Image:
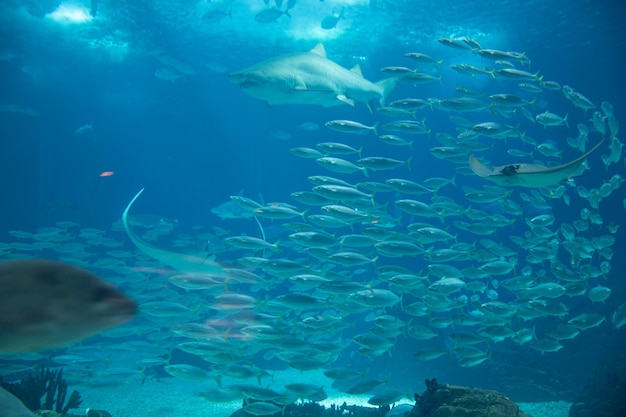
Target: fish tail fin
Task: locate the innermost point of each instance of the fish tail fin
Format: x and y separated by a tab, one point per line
387	85
565	120
522	56
408	163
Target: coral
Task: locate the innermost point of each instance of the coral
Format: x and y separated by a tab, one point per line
439	400
359	411
313	409
48	385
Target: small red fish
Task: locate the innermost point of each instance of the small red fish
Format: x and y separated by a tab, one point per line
107	173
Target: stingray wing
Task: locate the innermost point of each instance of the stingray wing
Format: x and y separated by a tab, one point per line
497	174
480	169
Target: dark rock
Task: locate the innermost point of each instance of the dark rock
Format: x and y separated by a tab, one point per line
454	401
605	392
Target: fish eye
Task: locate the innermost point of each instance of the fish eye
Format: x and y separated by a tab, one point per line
102	293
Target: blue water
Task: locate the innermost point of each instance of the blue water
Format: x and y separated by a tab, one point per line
195	141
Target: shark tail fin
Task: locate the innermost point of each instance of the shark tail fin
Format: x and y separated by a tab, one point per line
387	85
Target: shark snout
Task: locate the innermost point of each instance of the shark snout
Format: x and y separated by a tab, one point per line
237	77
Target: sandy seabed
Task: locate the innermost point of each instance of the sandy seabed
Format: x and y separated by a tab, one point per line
171	397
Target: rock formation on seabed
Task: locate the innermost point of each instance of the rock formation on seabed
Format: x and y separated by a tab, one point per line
454	401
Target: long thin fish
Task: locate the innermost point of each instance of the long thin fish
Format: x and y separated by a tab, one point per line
182	262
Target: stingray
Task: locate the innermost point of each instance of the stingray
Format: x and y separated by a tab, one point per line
529	175
182	262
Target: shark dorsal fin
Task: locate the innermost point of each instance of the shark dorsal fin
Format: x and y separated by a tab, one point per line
357	70
319	50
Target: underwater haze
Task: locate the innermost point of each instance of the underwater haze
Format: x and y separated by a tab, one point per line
371	192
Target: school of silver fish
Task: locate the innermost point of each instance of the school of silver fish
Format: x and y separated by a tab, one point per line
375	244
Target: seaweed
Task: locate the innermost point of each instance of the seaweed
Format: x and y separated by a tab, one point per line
47	385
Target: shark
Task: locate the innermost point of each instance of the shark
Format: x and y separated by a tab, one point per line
530	175
182	262
310	78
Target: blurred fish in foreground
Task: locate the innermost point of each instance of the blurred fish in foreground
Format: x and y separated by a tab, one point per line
46	304
11	406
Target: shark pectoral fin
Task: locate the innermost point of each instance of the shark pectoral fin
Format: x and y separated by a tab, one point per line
345	99
300	87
